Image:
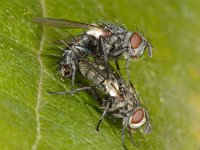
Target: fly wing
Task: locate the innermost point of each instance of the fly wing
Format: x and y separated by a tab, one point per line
96	68
63	23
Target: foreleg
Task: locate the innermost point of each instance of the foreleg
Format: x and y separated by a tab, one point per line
105	111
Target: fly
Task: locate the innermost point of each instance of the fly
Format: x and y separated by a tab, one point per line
120	100
103	40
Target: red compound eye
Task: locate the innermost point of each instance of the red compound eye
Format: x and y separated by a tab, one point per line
136	40
138	116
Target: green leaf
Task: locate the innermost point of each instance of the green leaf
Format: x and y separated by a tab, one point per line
168	83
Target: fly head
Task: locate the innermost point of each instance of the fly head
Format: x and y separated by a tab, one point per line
138	118
137	45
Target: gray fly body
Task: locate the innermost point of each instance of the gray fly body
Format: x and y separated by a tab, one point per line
103	40
89	53
121	101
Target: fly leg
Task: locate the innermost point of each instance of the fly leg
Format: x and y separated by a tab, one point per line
68	65
117	66
73	61
127	68
105	55
96	96
148	125
73	72
72	91
105	111
115	55
131	137
123	134
118	52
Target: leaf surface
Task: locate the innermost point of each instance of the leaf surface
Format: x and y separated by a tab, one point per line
168	83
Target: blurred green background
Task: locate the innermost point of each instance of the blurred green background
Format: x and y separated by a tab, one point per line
168	83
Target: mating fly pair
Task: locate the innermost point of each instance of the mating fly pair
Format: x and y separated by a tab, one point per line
103	42
120	100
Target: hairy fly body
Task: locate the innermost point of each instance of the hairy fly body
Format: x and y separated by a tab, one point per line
103	41
120	100
90	53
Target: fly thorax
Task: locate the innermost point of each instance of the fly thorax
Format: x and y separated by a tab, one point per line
129	105
112	40
126	39
118	105
125	44
108	47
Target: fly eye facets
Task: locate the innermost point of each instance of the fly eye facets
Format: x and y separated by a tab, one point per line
137	119
136	40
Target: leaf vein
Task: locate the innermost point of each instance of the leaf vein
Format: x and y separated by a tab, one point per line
38	129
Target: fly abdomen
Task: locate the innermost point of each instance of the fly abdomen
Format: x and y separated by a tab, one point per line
88	71
97	75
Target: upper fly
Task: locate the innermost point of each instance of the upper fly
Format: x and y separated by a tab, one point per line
103	41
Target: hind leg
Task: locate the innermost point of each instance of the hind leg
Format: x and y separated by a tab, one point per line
71	92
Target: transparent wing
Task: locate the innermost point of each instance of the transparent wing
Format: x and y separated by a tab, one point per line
96	68
63	23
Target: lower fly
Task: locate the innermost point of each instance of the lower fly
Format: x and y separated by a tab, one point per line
120	101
